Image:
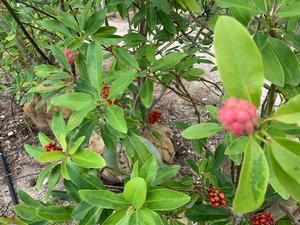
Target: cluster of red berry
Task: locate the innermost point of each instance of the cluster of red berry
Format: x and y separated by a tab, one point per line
105	93
153	116
262	219
52	146
70	55
217	197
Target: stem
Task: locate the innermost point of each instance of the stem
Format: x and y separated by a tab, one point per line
271	99
11	11
37	9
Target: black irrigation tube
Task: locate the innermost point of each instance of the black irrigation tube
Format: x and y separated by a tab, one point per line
8	179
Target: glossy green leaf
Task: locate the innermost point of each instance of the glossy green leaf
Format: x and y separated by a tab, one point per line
118	86
200	212
244	4
147	216
289	9
51	156
82	179
92	217
165	173
103	199
60	57
288	61
42	176
135	192
27	199
286	153
146	93
94	65
34	151
166	21
77	117
67	19
88	159
53	25
165	199
95	22
149	170
239	61
290	185
237	146
81	209
117	218
273	69
75	101
115	117
253	180
55	213
192	5
58	125
26	212
44	139
76	145
289	112
201	130
168	61
127	58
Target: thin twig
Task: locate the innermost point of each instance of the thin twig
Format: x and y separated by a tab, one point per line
289	214
37	9
16	18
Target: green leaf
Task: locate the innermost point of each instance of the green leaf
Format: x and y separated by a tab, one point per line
165	199
201	130
88	159
27	199
51	156
95	22
166	21
273	69
168	61
192	5
26	212
44	139
34	151
237	146
55	213
94	65
42	176
200	212
67	19
165	173
150	52
76	145
75	101
58	125
82	179
253	180
135	147
149	170
288	61
63	169
162	4
289	112
127	58
103	199
45	69
119	85
53	25
60	57
117	217
134	39
289	10
92	217
290	185
77	117
244	4
239	61
286	153
146	93
148	217
81	209
135	192
151	19
54	177
114	116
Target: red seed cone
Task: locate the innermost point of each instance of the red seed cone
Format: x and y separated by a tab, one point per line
52	146
70	55
105	93
153	116
217	198
239	116
262	218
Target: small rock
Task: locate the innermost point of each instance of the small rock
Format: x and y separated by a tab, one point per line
11	133
2	117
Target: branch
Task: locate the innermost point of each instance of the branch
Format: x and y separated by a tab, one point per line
289	214
13	14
